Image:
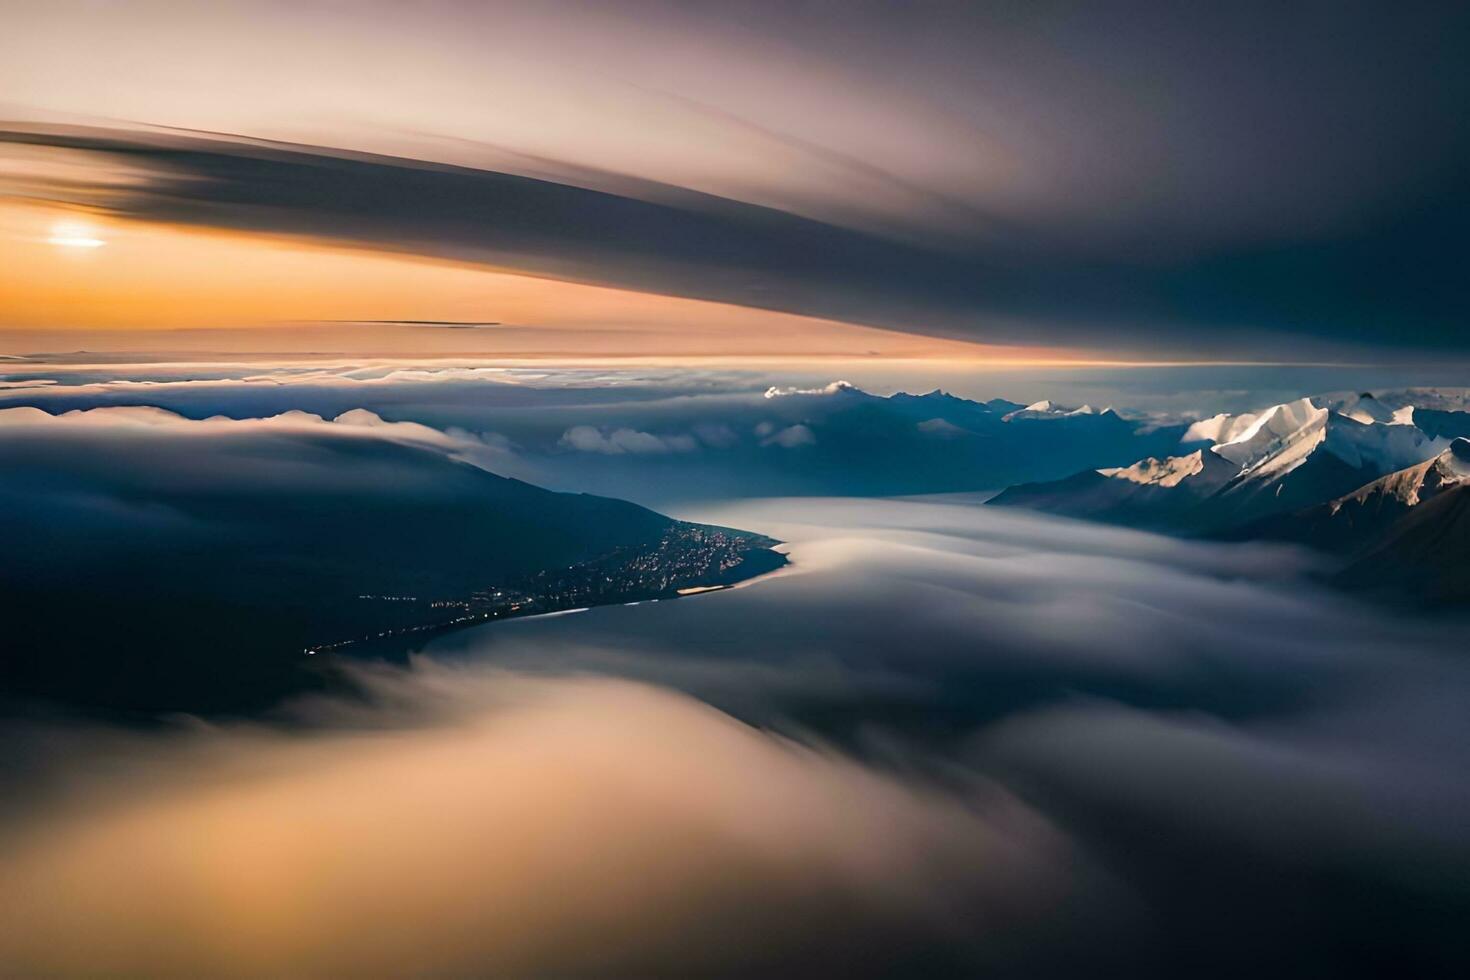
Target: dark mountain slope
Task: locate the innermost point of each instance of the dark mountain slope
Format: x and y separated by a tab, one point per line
176	565
1357	520
1424	557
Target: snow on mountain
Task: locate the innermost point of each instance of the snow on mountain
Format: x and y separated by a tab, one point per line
1454	462
1219	429
1257	465
1154	492
1383	446
1389	408
1353	520
940	427
1272	443
1414	484
1047	409
1398	399
1299	454
1201	466
1277	438
1408	533
1351	474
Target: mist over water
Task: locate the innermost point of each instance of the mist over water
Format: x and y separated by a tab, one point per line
947	738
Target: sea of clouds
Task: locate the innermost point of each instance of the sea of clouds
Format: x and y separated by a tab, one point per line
946	739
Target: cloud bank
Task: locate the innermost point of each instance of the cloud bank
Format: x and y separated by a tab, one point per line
516	827
616	442
945	740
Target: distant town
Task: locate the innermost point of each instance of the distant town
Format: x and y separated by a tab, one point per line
689	558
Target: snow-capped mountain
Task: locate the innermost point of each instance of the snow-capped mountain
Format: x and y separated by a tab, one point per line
1353	522
1246	467
1299	454
1412	485
1154	492
1048	409
1431	399
1366	408
1277	440
1424	554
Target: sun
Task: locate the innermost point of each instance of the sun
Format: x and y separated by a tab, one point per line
72	234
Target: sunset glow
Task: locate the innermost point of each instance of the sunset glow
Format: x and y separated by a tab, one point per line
68	235
737	489
160	277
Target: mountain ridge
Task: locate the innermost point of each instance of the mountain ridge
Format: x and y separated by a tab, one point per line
1352	476
1245	468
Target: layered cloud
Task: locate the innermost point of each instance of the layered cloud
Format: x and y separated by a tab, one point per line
491	824
1257	777
1137	179
1011	745
489	451
788	438
1246	300
616	442
651	435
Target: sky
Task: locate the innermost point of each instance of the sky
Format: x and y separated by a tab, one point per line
988	183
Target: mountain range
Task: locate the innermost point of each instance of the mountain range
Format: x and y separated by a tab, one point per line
667	446
1406	534
1356	476
840	440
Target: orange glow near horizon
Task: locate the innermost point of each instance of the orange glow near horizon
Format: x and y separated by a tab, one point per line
259	292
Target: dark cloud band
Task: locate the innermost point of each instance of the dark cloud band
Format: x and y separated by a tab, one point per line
1390	286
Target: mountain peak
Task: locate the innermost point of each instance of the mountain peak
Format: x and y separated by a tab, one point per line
1455	460
1277	438
1165	472
1364	407
1048	409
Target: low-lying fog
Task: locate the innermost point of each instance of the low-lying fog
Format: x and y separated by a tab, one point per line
947	740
